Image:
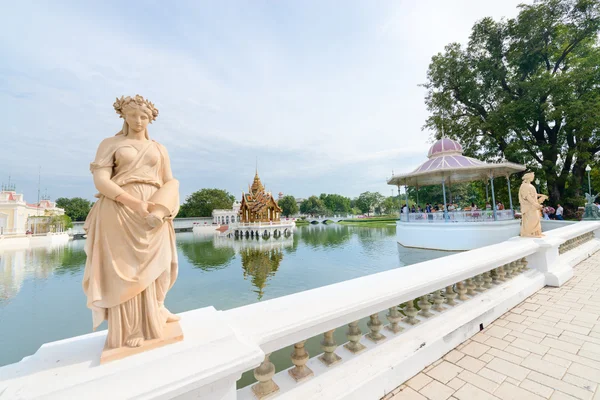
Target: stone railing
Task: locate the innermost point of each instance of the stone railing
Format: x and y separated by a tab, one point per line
414	314
570	244
460	216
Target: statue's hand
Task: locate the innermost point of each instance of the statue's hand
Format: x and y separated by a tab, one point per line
141	208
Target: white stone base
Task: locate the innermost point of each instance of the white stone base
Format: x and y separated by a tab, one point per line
455	236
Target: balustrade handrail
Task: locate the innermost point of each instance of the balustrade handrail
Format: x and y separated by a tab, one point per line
283	321
459	216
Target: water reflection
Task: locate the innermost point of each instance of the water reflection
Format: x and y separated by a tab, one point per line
17	266
201	252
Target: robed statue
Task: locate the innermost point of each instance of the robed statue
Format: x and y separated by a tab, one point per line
531	206
131	255
591	209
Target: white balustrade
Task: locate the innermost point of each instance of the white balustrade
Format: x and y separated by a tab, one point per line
459	216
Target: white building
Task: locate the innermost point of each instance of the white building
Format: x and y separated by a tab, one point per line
226	217
15	211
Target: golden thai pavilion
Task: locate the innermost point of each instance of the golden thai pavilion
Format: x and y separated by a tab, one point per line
259	205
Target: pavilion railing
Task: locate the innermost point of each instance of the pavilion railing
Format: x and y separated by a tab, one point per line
460	216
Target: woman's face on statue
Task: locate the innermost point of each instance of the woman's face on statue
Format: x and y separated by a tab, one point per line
137	119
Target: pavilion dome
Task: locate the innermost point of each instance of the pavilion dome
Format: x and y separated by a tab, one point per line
444	146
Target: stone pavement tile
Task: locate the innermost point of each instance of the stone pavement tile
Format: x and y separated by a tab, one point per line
561	396
514	318
500	322
486	358
572	340
509	338
573	328
594	334
479	381
456	383
444	372
557	360
585	324
517	310
550	330
530	346
418	381
493	376
560	315
536	388
436	391
589	346
517	352
559	385
453	356
505	356
513	381
506	391
529	306
590	355
537	321
470	392
582	371
408	394
499	344
475	349
497	331
471	364
585	338
580	382
584	315
545	367
560	345
580	358
549	318
480	337
532	332
509	369
528	337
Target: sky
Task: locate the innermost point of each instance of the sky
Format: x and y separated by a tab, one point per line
322	94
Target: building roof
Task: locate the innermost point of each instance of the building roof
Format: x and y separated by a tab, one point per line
258	199
447	163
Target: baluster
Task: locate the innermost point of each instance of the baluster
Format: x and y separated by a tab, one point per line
470	287
375	326
328	345
461	288
450	296
411	312
487	280
264	375
299	359
494	276
425	305
518	267
508	268
524	264
438	300
394	317
501	274
354	334
479	283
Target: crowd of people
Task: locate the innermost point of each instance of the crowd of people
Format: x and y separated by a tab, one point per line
429	208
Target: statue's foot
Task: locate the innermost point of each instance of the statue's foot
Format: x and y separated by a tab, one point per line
169	316
134	341
153	220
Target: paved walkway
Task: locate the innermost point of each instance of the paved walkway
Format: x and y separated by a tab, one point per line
548	347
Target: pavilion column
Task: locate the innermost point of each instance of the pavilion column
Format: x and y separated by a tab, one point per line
487	193
509	195
417	195
493	197
406	195
399	200
445	204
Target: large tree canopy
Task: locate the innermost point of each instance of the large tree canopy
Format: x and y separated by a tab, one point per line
288	205
525	89
76	208
203	202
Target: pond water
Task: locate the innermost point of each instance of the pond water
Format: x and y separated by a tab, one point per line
41	299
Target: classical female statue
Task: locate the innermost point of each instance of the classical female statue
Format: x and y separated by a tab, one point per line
131	255
531	207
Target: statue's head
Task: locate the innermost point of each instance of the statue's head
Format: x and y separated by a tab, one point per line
136	111
528	177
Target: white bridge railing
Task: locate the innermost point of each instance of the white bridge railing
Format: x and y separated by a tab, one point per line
460	216
430	308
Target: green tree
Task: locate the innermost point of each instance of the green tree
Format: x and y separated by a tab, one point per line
288	205
336	203
525	89
76	208
313	205
369	201
204	201
391	205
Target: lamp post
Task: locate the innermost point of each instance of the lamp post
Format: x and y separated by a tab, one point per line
537	182
588	169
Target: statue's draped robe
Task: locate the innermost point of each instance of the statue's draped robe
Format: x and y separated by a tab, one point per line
530	219
130	266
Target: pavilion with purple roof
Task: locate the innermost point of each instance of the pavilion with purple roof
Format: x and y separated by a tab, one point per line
446	165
